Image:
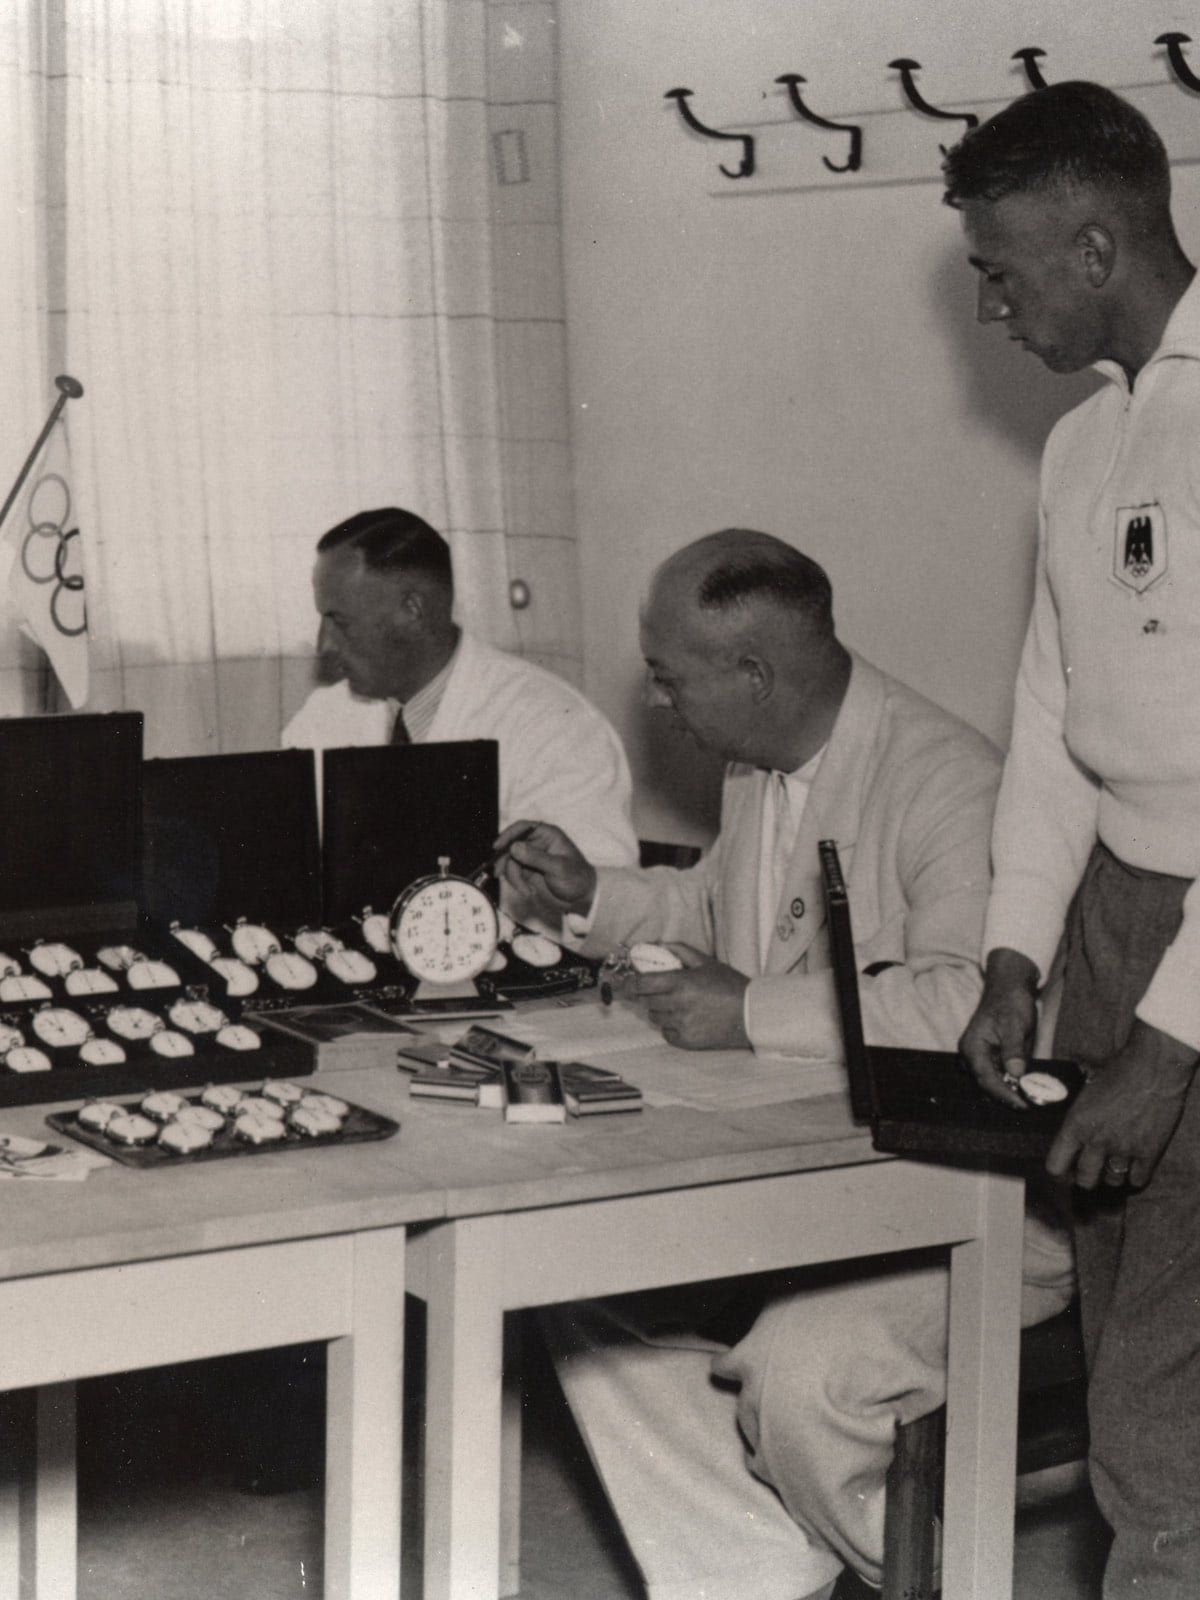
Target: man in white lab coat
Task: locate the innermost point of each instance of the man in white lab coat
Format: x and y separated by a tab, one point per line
740	648
400	670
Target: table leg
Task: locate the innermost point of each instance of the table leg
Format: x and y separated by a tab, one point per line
981	1404
364	1428
463	1412
510	1456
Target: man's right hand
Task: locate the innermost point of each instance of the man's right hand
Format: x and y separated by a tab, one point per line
998	1041
538	859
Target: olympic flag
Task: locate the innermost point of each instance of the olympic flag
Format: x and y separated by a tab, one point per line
45	577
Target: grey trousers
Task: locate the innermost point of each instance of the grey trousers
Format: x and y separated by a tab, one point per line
1138	1257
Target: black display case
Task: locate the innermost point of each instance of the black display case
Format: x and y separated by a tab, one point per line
85	975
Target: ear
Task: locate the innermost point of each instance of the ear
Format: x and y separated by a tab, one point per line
1097	253
760	674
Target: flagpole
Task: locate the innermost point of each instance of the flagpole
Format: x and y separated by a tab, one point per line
68	389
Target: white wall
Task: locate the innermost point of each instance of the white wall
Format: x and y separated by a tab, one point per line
807	361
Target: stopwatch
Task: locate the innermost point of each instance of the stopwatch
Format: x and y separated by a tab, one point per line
89	980
133	1022
166	1042
118	956
197	1016
146	974
536	949
197	942
252	943
54	960
60	1028
239	978
101	1052
443	928
23	986
317	943
351	966
375	931
290	970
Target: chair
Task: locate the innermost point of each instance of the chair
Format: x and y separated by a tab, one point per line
1051	1431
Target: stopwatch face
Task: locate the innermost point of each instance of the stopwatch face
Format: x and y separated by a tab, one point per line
197	1016
375	932
101	1052
239	1037
290	970
89	980
23	987
536	950
198	943
317	943
54	960
152	975
239	978
350	966
26	1059
118	956
444	930
253	943
166	1042
133	1022
653	958
59	1027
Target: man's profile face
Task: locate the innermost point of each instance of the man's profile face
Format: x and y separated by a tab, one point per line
1031	277
689	674
362	637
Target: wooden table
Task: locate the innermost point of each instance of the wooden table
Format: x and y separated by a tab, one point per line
135	1269
539	1215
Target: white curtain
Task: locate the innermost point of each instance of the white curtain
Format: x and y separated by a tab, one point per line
26	393
278	292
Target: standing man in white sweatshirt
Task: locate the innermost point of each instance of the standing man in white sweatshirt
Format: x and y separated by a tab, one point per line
1065	199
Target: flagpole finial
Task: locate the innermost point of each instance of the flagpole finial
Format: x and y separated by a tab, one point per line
69	386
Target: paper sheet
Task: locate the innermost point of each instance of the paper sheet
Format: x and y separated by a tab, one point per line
706	1080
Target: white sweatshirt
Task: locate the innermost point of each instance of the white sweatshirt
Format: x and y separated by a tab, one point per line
1106	729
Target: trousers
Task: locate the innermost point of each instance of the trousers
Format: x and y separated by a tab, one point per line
1138	1257
754	1467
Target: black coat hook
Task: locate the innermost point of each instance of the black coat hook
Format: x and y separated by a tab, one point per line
792	80
1179	65
746	140
1033	72
907	68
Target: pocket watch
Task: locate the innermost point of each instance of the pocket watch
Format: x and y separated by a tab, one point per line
26	1058
197	1016
536	950
375	931
60	1028
118	956
23	986
252	943
351	966
443	928
89	980
133	1022
198	943
146	974
237	1036
317	943
101	1052
290	970
54	960
239	978
166	1042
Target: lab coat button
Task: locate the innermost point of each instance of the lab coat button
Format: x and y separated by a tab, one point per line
783	928
797	908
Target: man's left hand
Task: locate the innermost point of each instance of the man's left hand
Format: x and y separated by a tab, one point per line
1124	1118
700	1008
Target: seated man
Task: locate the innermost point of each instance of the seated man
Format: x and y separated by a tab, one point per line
739	644
401	671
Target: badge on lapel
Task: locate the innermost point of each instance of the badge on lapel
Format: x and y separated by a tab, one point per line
1139	546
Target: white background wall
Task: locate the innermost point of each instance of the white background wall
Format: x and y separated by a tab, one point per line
807	362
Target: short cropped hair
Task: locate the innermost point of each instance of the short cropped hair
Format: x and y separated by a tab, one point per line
391	540
1072	133
767	569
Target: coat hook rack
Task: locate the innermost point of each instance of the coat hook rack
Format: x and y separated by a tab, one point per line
1030	57
907	68
1179	64
792	82
746	140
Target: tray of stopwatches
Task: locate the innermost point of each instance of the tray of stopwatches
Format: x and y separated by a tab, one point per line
166	1128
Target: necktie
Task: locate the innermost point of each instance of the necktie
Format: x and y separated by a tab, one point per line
400	734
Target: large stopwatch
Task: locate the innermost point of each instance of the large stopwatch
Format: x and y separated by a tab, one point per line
444	928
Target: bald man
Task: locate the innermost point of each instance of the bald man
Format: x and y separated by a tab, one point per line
741	650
